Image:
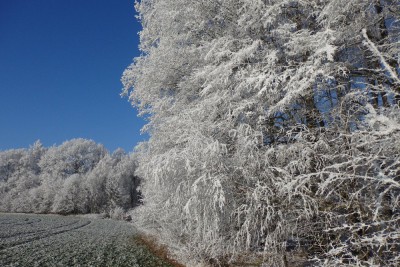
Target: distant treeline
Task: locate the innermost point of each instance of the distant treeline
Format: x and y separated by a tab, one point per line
79	176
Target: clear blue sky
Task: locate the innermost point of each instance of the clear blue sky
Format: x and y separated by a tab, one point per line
60	68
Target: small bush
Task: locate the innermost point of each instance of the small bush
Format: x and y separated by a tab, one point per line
117	213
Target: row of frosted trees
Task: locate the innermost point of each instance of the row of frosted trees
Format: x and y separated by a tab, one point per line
77	177
275	132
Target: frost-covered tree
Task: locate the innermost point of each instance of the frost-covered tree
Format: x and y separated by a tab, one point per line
71	198
77	156
10	162
19	171
122	184
273	129
112	183
70	178
95	184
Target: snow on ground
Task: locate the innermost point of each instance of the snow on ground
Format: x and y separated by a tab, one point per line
53	240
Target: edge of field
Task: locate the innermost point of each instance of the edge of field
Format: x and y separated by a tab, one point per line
161	251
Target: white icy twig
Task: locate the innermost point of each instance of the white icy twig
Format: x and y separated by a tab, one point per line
375	50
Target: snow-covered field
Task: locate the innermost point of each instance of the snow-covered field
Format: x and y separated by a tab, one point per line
52	240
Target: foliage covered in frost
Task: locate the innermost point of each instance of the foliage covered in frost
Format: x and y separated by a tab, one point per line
274	129
79	176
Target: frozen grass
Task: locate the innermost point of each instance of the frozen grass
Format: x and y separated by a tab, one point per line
52	240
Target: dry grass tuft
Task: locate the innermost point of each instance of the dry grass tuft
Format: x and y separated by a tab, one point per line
157	249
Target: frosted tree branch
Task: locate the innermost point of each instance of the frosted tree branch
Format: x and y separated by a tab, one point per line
372	47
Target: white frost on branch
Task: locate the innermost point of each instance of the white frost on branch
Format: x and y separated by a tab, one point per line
372	47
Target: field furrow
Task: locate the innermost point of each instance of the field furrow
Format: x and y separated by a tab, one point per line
52	240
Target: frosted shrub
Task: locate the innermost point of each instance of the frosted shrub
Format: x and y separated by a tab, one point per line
117	213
